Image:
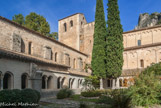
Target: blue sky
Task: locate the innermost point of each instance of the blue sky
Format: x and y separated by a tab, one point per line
53	10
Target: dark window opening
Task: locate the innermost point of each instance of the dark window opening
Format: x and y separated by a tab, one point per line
43	82
29	50
7	81
24	81
142	63
71	23
56	57
58	83
65	27
108	83
139	42
22	46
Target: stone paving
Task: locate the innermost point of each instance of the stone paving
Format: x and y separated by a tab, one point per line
61	103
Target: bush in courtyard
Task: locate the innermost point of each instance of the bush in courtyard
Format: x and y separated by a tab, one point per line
38	95
64	93
93	93
6	96
29	96
146	90
91	83
17	96
116	99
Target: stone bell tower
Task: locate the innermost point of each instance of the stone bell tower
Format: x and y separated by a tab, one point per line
71	30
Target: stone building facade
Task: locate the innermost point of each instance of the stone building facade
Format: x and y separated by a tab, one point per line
31	60
142	47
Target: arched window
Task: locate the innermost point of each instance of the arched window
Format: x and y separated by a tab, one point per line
67	59
71	23
65	27
8	81
22	46
70	80
74	63
49	82
72	83
80	63
24	81
142	63
44	82
139	42
59	83
29	48
56	56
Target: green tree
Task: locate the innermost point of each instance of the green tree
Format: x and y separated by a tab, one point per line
98	54
53	35
114	41
37	23
19	19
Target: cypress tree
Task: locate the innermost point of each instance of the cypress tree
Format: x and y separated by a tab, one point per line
98	54
114	41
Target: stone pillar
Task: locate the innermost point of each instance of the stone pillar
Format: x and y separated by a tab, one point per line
117	83
61	83
1	87
113	83
101	83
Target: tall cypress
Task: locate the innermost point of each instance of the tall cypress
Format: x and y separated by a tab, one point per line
98	53
114	41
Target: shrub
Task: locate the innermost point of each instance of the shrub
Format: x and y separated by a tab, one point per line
29	96
116	99
38	95
64	93
83	105
91	83
91	93
17	96
6	96
146	90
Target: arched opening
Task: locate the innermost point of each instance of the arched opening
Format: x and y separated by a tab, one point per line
67	59
56	56
72	83
29	48
24	81
80	63
142	63
65	27
71	23
8	81
59	83
74	63
44	82
49	82
108	83
22	46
